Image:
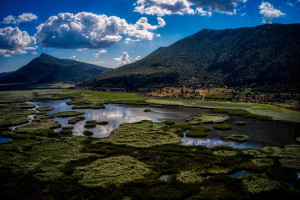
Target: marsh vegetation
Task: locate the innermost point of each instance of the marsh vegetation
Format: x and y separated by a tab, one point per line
128	162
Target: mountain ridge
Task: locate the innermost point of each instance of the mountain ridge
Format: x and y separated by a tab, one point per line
49	69
266	57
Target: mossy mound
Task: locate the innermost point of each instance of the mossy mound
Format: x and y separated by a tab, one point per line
194	122
168	122
225	153
88	133
206	118
189	177
197	132
114	171
258	183
67	130
147	110
222	127
254	153
282	173
293	163
43	158
262	162
214	169
292	150
13	116
240	123
298	139
238	138
272	150
103	123
41	127
75	120
86	105
143	134
45	109
90	124
65	114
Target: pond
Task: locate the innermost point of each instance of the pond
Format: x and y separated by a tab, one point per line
4	140
261	133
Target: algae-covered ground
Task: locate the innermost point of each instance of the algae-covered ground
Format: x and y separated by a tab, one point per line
42	164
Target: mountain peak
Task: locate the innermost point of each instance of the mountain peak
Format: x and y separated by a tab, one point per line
49	69
44	55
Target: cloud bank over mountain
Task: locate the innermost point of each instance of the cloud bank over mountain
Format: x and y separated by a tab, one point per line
88	30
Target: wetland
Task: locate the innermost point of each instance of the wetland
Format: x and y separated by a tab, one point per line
103	145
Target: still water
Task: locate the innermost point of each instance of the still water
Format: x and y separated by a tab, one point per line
261	133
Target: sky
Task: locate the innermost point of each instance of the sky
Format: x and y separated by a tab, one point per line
112	33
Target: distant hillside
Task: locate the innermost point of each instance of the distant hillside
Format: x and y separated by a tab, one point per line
265	57
2	74
48	69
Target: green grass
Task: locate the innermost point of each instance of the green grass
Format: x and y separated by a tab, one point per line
103	123
222	127
259	183
238	138
90	124
45	109
197	132
143	134
256	109
114	171
75	120
65	114
88	133
130	162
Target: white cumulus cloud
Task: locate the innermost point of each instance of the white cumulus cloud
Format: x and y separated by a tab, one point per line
25	17
15	41
269	12
102	51
138	57
181	7
88	30
124	59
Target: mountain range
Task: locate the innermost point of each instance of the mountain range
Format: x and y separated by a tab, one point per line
265	57
49	69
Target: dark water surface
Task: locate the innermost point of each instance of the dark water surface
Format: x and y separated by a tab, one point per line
261	133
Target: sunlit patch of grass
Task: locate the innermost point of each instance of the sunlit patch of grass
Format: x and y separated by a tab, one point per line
222	127
238	138
42	157
67	114
112	171
143	134
259	183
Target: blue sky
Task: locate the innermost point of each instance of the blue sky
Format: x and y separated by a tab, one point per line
100	31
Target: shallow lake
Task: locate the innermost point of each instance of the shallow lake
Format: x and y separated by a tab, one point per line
261	133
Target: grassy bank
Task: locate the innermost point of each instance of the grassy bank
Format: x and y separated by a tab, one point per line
256	109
